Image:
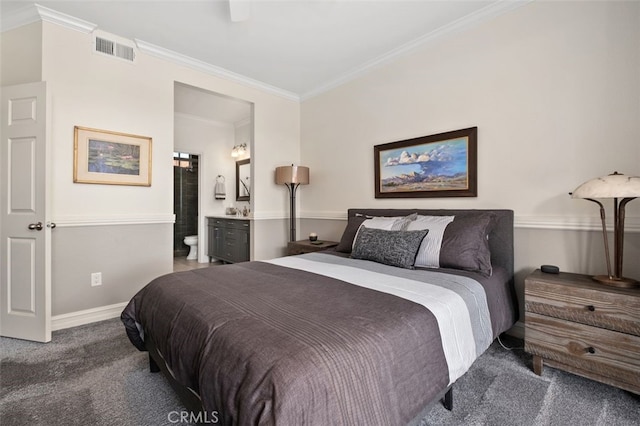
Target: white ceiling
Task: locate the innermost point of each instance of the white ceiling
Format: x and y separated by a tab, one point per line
298	47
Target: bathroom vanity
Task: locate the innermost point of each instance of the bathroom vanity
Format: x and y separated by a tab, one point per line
228	239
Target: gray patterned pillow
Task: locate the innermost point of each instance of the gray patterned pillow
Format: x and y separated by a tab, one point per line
395	248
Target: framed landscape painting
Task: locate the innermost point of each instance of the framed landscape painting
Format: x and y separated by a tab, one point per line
442	165
111	158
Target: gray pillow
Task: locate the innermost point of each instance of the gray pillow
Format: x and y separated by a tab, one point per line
465	244
394	248
346	241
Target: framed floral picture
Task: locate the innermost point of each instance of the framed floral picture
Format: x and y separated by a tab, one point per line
111	158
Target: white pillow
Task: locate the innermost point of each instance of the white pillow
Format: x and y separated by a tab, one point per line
386	223
429	252
395	223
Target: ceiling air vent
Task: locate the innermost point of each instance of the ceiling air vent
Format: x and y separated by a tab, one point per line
104	46
114	47
125	52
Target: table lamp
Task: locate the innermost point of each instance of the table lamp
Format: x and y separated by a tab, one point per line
622	189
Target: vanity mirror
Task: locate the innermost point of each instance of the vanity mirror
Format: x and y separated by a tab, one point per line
243	180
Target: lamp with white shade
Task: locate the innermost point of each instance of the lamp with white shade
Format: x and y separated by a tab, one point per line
622	189
292	177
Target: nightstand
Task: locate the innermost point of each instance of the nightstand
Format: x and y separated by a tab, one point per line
578	325
306	246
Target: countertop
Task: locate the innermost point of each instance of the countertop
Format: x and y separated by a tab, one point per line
224	216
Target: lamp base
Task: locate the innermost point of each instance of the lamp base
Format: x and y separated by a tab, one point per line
621	282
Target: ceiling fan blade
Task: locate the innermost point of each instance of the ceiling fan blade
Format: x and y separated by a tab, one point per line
239	10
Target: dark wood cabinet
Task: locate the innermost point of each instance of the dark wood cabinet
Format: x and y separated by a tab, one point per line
228	239
578	325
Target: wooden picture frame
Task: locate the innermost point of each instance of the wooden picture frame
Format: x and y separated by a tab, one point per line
441	165
243	180
111	158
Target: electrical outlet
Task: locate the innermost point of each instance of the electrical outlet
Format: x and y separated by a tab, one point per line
96	279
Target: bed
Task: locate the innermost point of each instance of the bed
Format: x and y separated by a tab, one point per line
373	332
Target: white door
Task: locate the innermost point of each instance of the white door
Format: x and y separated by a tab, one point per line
25	234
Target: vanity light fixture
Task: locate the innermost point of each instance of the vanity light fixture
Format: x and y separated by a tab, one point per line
239	150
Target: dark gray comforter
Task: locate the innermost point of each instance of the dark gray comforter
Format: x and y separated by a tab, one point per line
266	344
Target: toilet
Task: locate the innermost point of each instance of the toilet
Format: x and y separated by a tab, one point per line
192	242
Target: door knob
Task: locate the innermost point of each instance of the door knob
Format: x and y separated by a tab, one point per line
51	225
36	226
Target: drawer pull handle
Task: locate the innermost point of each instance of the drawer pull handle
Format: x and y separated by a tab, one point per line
591	350
591	308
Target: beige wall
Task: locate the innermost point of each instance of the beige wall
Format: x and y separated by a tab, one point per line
126	232
554	89
21	55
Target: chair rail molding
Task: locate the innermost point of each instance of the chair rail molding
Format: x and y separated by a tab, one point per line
76	221
563	223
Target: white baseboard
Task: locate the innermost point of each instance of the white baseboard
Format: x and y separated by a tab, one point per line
74	319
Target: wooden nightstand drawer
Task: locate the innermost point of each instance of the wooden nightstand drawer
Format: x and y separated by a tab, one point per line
578	298
607	308
577	325
592	349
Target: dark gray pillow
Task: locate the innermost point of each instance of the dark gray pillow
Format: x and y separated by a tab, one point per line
465	243
354	222
394	248
346	242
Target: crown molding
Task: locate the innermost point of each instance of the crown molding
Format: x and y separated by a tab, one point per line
489	12
35	12
197	65
67	21
19	17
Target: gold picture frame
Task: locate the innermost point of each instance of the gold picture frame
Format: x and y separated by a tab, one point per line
111	158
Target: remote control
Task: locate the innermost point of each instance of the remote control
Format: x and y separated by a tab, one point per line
550	269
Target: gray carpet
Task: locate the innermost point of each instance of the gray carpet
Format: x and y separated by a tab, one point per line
92	375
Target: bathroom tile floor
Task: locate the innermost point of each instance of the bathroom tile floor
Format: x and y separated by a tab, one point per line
182	264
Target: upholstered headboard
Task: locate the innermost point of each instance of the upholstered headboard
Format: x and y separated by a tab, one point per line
500	236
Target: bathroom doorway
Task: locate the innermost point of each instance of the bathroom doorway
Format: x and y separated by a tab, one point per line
210	125
185	200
